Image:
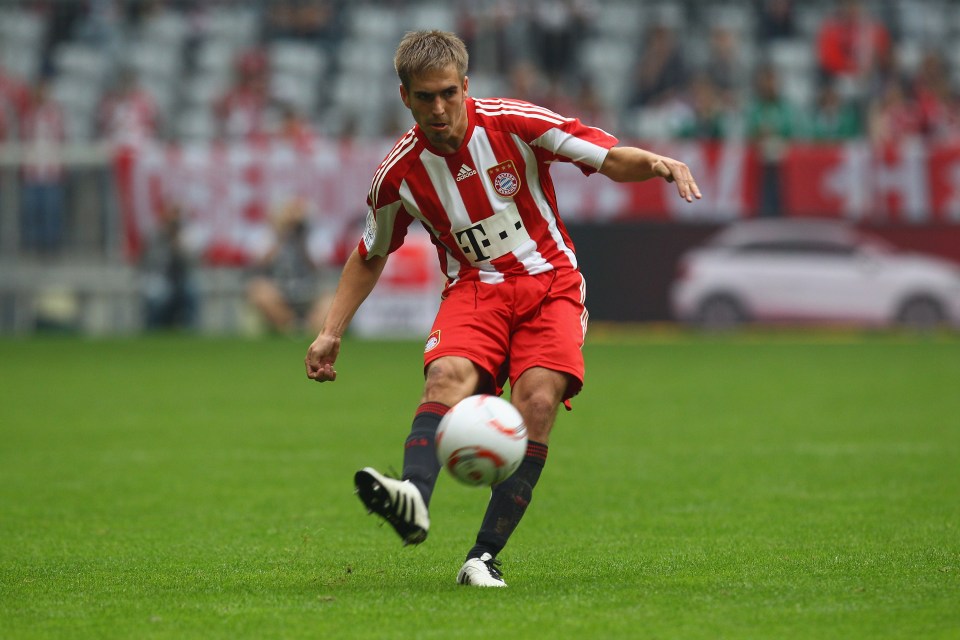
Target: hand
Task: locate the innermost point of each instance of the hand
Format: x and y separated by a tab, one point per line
675	171
320	358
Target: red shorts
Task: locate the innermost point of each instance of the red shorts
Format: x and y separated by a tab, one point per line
507	328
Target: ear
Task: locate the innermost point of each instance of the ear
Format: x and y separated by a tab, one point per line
404	96
466	83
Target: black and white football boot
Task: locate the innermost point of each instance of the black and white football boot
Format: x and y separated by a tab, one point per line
396	501
481	572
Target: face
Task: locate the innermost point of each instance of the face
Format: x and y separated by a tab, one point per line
436	100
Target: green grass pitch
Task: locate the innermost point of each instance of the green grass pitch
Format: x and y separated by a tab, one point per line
762	486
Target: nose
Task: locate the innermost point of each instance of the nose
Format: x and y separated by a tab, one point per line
437	107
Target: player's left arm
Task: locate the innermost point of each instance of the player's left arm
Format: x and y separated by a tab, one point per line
631	164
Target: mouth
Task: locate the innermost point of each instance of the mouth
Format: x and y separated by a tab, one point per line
438	126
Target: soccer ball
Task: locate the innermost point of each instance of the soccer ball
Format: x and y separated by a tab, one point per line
481	440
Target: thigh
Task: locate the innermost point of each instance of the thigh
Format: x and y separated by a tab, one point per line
473	323
552	337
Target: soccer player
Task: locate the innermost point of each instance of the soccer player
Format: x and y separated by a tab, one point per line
474	173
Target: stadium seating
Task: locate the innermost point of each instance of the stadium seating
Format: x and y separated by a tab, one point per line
185	58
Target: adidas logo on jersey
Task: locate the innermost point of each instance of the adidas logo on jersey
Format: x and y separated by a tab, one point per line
465	172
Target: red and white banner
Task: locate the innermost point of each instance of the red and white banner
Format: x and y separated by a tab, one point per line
228	193
911	183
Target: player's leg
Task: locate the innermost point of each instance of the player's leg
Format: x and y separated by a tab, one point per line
537	394
449	379
546	368
405	503
461	356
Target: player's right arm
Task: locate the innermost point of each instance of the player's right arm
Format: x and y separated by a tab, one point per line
357	280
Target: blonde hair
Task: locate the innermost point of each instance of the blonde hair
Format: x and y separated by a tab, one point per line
421	51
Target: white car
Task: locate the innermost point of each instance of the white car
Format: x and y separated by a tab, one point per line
812	271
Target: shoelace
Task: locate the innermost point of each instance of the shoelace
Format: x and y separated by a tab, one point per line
493	566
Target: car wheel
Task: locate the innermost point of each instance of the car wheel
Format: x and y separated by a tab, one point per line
720	313
921	313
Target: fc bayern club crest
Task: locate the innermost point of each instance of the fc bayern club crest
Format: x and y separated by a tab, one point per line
432	342
505	178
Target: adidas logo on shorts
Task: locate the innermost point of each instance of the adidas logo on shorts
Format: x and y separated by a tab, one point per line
465	172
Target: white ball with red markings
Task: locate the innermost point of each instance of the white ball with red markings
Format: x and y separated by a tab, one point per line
482	440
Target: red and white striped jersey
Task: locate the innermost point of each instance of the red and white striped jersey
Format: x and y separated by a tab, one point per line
490	207
129	119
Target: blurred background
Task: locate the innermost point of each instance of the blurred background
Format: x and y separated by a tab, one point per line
202	166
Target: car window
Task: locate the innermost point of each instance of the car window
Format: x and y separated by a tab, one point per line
813	248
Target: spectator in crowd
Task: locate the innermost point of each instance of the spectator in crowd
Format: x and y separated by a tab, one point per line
300	19
313	21
589	106
662	69
14	99
935	98
834	117
886	69
892	116
295	129
9	120
498	29
42	133
707	117
245	112
168	276
775	20
14	96
850	45
725	64
562	95
949	124
285	287
527	82
556	27
771	121
128	113
102	24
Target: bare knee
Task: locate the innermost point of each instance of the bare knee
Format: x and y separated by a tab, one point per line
539	411
449	380
537	395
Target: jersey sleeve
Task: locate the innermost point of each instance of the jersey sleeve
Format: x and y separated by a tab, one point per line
577	143
386	227
387	219
555	137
